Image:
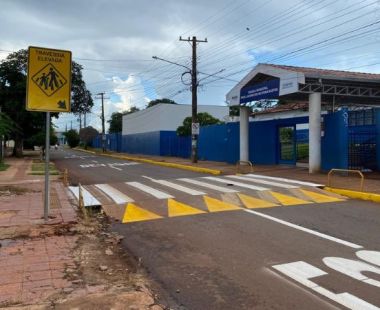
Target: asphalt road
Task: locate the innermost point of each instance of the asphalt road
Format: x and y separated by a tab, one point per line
314	256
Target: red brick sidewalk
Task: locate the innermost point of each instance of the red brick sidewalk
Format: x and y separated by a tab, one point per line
27	209
33	270
33	258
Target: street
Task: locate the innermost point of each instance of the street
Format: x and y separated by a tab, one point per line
237	242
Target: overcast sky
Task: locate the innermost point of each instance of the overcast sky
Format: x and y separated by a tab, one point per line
115	40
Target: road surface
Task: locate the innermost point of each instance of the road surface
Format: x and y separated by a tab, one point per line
233	242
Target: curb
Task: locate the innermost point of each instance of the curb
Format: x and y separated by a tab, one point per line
159	163
355	194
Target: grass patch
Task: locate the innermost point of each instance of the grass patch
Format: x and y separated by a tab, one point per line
38	168
3	166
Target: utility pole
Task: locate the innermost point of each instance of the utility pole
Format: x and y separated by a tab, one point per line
84	120
71	124
194	100
80	121
103	127
1	146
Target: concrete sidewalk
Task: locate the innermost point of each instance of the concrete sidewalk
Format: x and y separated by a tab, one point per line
33	256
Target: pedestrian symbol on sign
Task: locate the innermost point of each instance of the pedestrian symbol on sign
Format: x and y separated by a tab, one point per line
49	80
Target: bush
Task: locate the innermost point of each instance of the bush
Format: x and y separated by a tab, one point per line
72	137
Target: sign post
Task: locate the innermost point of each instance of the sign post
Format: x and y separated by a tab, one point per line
48	90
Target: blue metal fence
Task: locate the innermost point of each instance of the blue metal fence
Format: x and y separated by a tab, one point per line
221	142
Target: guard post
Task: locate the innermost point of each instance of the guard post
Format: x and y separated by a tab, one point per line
48	90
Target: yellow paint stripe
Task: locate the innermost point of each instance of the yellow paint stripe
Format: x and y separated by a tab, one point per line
215	205
253	203
134	213
286	200
320	198
176	208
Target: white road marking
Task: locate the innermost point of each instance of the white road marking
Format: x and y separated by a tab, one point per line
208	185
115	194
257	188
178	187
88	199
353	269
301	272
258	176
307	230
111	166
251	179
372	257
150	190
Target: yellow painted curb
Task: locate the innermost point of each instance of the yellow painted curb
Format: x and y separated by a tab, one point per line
160	163
354	194
83	150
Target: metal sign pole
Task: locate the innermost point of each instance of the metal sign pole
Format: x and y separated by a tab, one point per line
47	162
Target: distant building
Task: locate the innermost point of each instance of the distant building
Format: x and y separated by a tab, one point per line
61	137
166	117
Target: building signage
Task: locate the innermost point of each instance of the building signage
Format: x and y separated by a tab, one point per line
265	90
49	80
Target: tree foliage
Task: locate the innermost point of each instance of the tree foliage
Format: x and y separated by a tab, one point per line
72	138
6	124
87	134
204	119
116	121
158	101
13	71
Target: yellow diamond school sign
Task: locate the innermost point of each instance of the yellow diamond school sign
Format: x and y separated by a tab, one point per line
49	80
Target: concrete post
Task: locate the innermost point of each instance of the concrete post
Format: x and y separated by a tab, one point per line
244	133
314	132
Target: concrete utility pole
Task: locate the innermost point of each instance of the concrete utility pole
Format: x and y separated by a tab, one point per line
194	101
103	127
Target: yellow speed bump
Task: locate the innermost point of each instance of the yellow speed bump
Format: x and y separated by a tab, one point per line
320	198
286	200
253	203
176	208
215	205
134	213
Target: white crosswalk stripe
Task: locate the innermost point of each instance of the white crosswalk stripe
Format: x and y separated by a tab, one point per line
244	185
117	196
208	185
258	176
88	199
179	187
255	180
150	190
201	186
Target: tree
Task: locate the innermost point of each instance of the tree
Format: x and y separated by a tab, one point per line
87	134
72	138
6	124
204	119
81	97
157	101
13	72
116	121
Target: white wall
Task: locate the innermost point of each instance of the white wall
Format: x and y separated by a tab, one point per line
166	117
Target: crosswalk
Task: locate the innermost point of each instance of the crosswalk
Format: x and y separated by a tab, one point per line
151	199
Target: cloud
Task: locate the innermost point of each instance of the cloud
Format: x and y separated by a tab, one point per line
239	33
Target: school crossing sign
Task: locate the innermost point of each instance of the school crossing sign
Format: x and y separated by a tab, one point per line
49	80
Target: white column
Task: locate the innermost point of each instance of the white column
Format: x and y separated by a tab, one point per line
314	132
244	133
